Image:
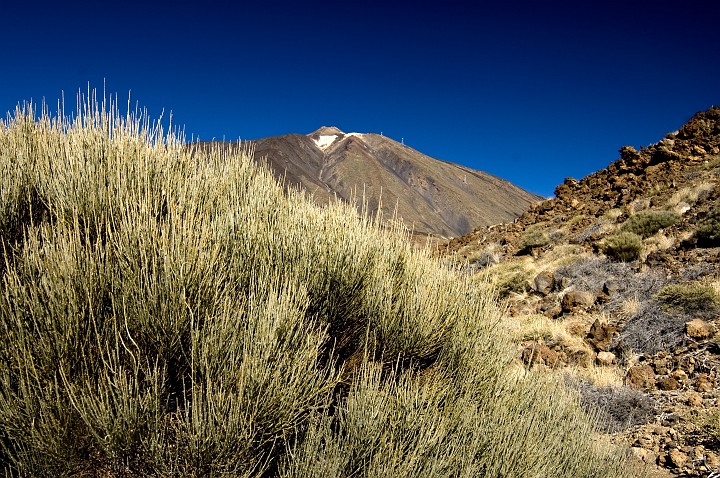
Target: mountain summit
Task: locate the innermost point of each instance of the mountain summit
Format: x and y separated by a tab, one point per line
431	196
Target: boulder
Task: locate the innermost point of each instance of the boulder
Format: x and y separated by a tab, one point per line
661	366
540	354
677	459
610	288
679	375
698	329
694	399
606	358
712	460
601	335
576	299
703	383
640	377
668	383
642	454
544	282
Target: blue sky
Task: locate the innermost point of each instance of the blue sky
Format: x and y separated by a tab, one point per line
530	91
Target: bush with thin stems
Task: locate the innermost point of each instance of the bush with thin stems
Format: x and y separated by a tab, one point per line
647	223
167	310
624	246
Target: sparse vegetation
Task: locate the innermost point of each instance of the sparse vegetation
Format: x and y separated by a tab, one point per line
169	311
707	230
624	246
620	407
689	195
653	328
712	426
510	277
647	223
691	296
534	236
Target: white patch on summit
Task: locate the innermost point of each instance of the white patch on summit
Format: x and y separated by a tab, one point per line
324	141
355	134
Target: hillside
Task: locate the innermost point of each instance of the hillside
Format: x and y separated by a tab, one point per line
167	311
430	196
615	284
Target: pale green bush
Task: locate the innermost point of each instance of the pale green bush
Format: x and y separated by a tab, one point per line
534	236
647	223
624	246
171	312
690	296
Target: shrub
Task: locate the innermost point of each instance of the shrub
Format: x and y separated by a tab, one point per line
689	296
624	246
711	424
647	223
707	230
653	329
534	236
510	277
174	313
619	407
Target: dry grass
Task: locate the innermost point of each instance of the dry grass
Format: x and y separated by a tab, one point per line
599	376
512	276
715	284
612	215
629	307
169	311
562	255
655	243
689	195
552	331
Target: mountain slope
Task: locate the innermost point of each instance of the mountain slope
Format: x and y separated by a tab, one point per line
616	282
431	196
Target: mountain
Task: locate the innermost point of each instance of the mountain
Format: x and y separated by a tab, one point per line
431	196
615	282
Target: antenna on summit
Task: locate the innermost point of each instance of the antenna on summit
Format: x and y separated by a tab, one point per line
402	141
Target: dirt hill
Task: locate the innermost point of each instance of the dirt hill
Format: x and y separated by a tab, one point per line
615	283
431	196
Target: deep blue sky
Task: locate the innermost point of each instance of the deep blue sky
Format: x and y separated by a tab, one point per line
530	91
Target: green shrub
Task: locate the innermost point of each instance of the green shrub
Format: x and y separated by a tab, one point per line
647	223
712	426
707	230
174	313
689	296
510	277
534	236
624	246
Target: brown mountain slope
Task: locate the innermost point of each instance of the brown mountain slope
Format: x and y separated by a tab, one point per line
675	170
431	196
615	283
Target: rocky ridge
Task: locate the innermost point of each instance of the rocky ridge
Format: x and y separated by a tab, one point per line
615	283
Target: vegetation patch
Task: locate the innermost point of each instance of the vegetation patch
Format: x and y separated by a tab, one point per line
624	246
510	277
691	296
707	230
534	236
647	223
619	407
